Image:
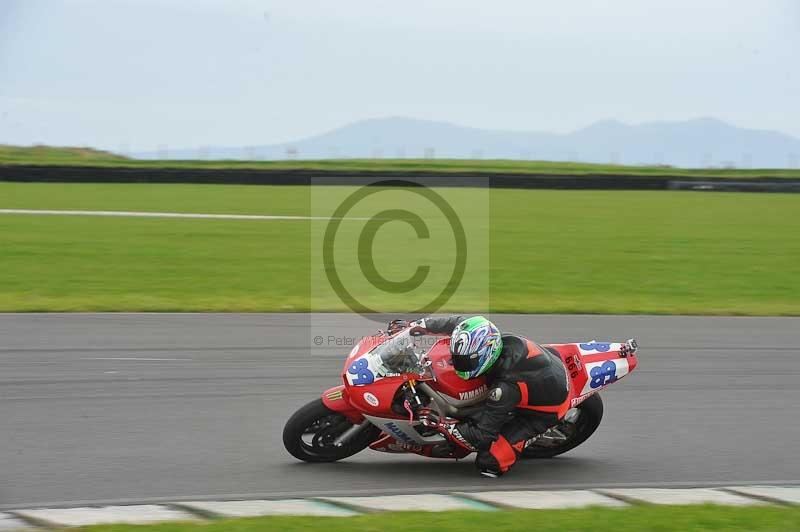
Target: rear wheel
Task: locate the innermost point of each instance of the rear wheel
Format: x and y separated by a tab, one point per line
311	433
573	430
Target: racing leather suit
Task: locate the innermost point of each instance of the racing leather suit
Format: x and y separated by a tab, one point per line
528	393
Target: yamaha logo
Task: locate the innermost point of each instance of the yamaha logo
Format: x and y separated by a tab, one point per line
473	394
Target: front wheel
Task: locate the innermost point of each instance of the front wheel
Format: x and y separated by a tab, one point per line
573	430
311	433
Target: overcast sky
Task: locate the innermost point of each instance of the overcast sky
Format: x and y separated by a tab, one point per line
137	74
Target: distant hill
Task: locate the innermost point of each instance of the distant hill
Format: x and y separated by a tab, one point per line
55	155
702	142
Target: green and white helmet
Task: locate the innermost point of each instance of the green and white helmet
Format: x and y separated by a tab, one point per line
475	345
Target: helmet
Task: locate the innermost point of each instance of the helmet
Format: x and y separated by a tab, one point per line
475	345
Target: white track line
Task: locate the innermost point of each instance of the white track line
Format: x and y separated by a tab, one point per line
167	215
134	358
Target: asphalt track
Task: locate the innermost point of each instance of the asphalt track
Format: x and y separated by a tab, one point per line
149	407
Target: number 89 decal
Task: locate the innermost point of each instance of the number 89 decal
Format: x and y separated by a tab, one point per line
363	375
602	375
600	347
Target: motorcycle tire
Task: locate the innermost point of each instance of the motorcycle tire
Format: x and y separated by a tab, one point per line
309	434
591	413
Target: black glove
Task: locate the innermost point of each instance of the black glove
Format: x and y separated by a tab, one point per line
395	326
417	328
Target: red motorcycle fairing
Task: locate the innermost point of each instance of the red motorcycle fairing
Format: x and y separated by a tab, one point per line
388	444
592	366
374	395
376	398
338	400
370	393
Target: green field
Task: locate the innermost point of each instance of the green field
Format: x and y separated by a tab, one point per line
639	518
544	251
45	155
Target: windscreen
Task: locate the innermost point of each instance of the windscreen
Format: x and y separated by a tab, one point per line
398	354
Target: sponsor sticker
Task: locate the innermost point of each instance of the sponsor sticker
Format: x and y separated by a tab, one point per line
496	394
473	394
410	447
578	400
397	433
371	399
334	396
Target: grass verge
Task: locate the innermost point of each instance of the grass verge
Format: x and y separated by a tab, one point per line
46	155
547	251
639	518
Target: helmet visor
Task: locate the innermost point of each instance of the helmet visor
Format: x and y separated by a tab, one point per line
466	363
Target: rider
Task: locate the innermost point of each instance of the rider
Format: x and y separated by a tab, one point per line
528	388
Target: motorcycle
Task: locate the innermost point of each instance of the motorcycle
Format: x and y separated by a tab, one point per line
387	378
